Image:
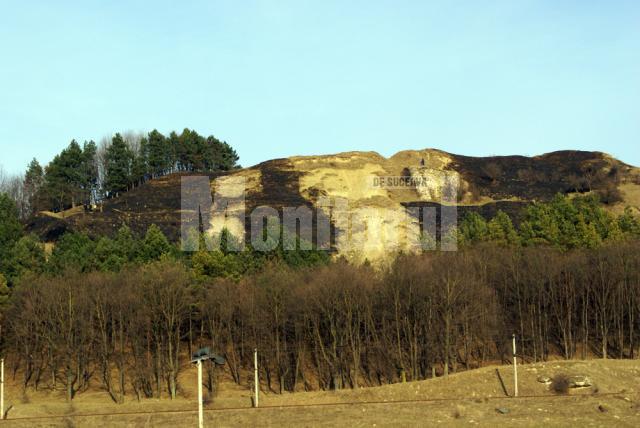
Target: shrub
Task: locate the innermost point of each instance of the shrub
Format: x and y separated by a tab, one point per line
610	194
560	384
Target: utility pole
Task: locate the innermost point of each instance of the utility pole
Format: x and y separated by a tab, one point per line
200	410
2	388
515	368
197	358
256	381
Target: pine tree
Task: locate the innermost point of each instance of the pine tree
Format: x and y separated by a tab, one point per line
10	231
73	251
629	223
500	229
118	166
587	235
154	245
89	179
65	178
125	244
27	256
138	168
107	256
472	229
158	153
33	183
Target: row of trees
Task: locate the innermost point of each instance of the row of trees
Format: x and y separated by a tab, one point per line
324	327
84	174
22	254
564	222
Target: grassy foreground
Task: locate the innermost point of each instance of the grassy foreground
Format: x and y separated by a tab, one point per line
472	397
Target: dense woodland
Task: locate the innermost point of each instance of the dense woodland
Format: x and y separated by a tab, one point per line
328	326
124	313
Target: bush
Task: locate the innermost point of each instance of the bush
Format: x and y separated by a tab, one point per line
560	384
610	194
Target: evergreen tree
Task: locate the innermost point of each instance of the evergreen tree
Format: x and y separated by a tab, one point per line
27	256
541	224
472	229
10	231
107	255
65	178
89	179
33	183
587	235
500	229
228	158
125	244
75	252
138	167
629	224
158	153
118	166
154	245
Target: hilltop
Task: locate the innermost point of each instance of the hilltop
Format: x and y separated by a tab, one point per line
482	184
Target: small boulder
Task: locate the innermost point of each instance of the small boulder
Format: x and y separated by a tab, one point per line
579	381
544	379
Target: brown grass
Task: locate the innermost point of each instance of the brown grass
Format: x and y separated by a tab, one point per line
463	398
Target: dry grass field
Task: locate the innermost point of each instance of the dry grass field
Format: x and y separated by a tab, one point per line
468	398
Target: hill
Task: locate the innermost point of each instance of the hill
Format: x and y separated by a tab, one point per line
423	178
472	397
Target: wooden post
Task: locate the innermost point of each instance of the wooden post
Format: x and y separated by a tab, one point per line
515	368
200	409
256	381
2	388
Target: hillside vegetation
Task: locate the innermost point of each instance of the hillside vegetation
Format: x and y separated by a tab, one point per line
103	303
482	185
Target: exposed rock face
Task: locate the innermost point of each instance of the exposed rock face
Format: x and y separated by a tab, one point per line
436	185
374	202
372	211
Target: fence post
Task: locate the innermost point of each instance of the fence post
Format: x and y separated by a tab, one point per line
256	382
2	388
515	368
200	410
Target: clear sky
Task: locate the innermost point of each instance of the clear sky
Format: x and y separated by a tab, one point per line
280	78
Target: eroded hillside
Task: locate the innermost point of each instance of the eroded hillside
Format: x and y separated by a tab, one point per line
378	195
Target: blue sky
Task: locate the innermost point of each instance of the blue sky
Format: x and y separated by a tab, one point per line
281	78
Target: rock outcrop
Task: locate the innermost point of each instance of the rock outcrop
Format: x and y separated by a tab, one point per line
376	206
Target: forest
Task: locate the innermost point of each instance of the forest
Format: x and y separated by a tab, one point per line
123	314
87	174
323	327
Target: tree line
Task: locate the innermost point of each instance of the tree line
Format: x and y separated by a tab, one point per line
564	222
125	312
85	174
323	327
